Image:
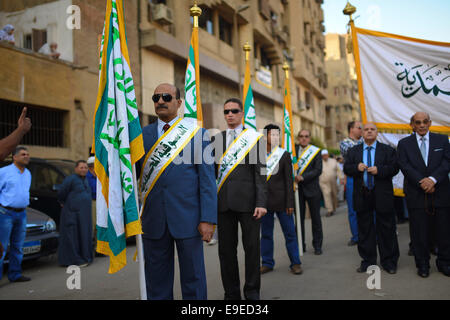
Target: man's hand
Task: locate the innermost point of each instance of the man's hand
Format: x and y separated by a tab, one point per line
372	170
259	212
362	167
298	178
206	230
427	185
24	123
289	211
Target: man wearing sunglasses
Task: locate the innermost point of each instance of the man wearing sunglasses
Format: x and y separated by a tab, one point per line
424	159
241	200
181	207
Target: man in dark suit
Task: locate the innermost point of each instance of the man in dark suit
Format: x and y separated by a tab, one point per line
180	208
309	191
424	159
280	201
372	166
241	200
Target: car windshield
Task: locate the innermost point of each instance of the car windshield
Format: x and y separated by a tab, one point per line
65	167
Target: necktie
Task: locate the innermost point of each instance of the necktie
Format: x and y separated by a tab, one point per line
423	149
166	127
369	164
232	136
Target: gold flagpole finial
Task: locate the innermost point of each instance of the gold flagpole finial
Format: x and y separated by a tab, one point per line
349	10
195	13
247	49
286	69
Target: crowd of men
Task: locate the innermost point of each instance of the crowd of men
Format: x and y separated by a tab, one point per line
250	180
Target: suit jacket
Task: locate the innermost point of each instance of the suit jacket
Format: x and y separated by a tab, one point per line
184	195
310	185
414	169
386	163
281	186
245	188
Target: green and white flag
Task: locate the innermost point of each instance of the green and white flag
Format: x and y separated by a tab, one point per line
192	103
249	102
118	142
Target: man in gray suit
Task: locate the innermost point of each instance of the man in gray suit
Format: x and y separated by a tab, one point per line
241	200
309	191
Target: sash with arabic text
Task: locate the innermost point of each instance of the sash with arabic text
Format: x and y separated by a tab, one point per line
273	159
306	157
235	153
168	146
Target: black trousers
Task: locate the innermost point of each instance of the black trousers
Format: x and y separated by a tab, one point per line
316	222
227	224
377	229
420	231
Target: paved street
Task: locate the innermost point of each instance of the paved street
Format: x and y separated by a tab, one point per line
330	276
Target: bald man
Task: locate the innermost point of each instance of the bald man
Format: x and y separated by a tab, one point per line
372	165
181	206
424	159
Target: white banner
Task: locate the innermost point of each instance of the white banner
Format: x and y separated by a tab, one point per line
399	76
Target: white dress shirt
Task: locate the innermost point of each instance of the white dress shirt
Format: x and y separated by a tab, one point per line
161	125
427	148
427	144
237	132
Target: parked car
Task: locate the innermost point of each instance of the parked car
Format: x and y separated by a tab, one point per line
41	239
46	175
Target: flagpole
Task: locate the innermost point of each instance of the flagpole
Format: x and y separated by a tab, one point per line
297	203
139	246
247	78
195	13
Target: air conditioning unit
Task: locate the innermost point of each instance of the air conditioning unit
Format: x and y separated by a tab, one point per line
162	14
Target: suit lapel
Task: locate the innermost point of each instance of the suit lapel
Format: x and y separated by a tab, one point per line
432	145
378	154
360	153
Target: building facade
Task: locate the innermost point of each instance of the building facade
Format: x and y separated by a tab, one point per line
342	104
158	34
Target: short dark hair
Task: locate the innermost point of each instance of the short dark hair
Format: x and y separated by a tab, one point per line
178	93
235	100
350	125
271	126
80	161
18	149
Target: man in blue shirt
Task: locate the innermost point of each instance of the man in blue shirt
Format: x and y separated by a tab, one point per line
354	138
15	182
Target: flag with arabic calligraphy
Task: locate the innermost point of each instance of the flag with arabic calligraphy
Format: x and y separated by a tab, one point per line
192	103
399	76
249	105
288	137
117	142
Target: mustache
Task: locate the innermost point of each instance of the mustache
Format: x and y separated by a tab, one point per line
162	106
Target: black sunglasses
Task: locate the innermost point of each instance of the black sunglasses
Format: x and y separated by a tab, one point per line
234	111
167	97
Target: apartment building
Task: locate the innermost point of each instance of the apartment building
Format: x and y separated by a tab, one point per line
158	34
342	104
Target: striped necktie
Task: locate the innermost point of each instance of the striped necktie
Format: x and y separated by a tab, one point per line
166	127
